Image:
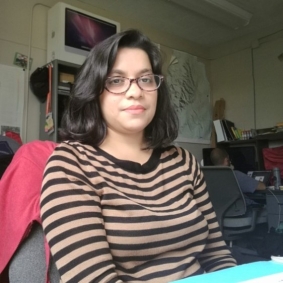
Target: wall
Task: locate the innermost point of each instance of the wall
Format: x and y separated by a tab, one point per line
250	80
24	29
231	78
268	74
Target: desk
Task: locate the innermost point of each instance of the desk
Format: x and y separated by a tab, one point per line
274	206
238	273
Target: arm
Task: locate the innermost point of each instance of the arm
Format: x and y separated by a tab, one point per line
216	255
248	184
73	224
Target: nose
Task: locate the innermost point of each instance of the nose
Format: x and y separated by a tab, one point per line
134	90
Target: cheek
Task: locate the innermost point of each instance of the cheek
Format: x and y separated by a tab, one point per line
108	104
154	104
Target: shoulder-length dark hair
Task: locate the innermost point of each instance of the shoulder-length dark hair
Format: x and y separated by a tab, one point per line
83	121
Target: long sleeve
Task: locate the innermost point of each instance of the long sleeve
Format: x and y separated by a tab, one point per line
216	255
73	224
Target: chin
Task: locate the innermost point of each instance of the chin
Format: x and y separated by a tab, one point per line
135	128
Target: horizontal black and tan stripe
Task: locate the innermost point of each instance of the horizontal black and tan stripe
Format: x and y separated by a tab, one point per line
108	220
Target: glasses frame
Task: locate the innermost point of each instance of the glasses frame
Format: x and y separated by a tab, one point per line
134	80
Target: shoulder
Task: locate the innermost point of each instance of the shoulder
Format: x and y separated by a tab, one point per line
173	150
179	154
72	150
241	175
72	146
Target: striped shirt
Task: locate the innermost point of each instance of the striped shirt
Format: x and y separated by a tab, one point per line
111	220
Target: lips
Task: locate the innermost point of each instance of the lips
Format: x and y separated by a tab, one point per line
135	109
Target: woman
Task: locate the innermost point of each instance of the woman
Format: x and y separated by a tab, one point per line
118	203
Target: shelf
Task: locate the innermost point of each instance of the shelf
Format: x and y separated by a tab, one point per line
271	137
59	98
238	142
259	142
264	137
63	93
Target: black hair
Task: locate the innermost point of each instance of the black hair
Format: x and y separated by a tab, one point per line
83	120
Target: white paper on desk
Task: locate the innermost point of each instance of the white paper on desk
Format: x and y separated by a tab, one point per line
274	278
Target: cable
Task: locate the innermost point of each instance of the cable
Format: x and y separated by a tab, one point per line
254	92
26	97
279	207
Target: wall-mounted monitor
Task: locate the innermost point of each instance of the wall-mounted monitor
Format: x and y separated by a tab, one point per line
72	32
84	32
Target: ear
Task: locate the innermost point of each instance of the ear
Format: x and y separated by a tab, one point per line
226	161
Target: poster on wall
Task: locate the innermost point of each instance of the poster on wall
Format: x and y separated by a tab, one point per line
190	90
11	99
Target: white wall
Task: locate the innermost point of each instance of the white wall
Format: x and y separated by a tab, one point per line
24	29
268	83
231	78
250	80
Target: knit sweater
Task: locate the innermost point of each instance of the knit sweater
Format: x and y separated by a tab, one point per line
111	220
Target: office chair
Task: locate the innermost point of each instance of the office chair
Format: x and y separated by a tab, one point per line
8	147
24	250
5	160
234	217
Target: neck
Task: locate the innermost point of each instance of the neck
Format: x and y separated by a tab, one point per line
126	147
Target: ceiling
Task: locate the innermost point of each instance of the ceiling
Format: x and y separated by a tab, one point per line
196	20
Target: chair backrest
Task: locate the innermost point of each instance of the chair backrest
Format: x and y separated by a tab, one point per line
8	145
20	188
224	191
5	160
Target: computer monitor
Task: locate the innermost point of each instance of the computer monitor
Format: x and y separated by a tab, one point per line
243	158
263	176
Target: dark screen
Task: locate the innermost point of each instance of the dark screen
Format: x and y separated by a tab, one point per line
243	158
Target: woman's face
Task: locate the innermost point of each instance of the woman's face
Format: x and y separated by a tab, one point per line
129	112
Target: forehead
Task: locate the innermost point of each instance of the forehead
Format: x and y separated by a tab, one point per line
131	60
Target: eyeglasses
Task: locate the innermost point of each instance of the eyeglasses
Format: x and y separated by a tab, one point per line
119	85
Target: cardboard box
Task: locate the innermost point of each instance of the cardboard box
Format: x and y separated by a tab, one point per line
66	78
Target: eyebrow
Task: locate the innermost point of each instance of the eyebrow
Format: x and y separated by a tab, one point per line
122	73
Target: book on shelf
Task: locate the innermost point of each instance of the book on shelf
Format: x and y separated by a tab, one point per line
64	86
63	91
236	133
224	130
228	129
219	130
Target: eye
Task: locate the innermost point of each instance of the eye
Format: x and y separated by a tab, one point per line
116	81
146	79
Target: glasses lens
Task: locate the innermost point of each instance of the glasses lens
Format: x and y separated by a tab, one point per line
121	84
117	84
149	82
